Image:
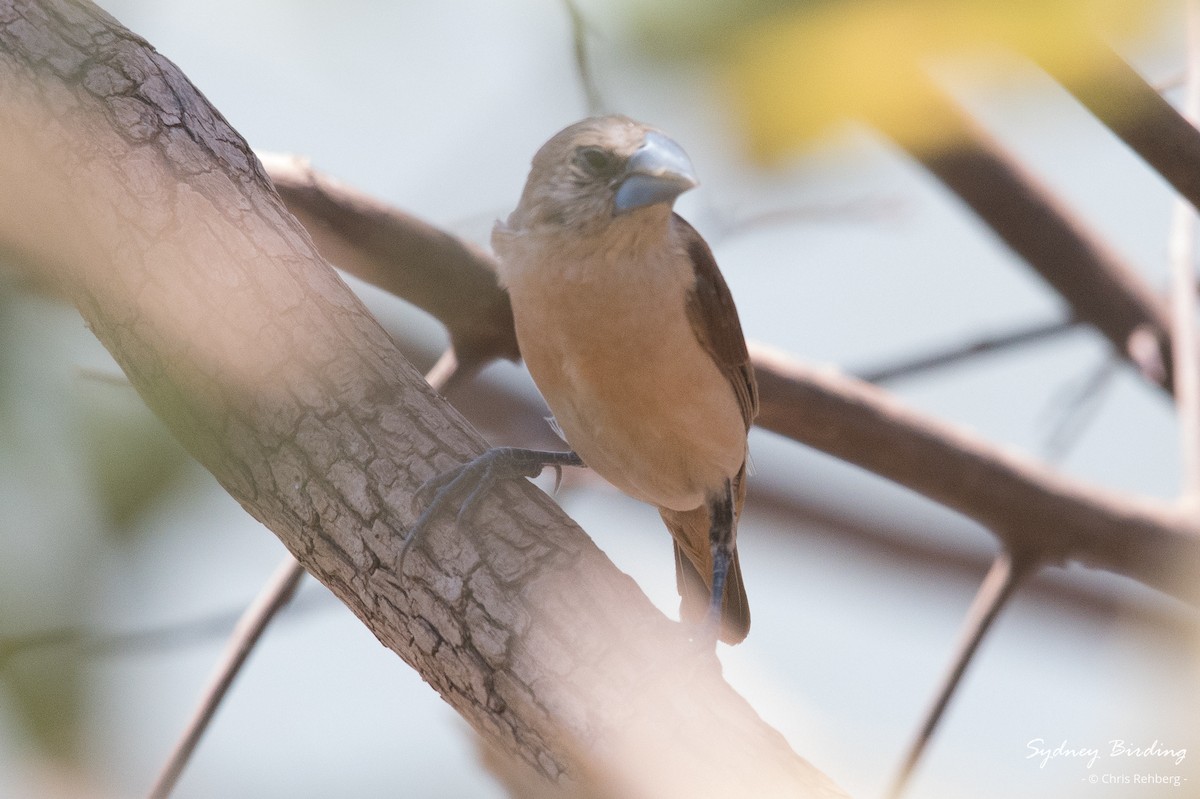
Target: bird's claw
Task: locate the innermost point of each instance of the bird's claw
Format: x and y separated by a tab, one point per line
475	478
429	491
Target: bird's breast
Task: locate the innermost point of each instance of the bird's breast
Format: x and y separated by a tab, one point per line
607	339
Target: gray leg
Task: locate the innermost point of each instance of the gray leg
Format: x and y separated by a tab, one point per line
467	484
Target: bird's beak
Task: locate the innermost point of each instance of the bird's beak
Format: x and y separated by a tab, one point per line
657	172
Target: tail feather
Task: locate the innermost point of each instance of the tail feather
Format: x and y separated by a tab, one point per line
693	569
695	592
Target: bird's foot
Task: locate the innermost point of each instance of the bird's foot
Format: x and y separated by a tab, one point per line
468	483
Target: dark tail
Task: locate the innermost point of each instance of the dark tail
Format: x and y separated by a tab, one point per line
694	595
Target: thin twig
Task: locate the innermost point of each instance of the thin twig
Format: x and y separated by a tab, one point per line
583	61
1183	290
81	642
1075	407
445	372
274	596
950	356
249	630
448	371
1006	573
106	376
857	210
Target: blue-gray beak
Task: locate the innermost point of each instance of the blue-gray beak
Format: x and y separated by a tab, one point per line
658	172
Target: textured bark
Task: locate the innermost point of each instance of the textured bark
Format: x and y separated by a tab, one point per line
442	274
125	185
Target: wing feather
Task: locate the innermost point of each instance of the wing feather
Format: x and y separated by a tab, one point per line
715	320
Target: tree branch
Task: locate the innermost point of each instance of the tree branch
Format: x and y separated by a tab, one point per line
247	633
958	353
437	272
1182	249
249	630
1029	506
997	588
1132	109
163	228
1101	289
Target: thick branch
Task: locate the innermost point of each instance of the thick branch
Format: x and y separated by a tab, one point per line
162	227
441	274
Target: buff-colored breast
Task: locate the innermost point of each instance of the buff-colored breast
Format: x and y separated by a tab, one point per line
606	336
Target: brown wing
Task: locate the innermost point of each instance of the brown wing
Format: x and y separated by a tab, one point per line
714	319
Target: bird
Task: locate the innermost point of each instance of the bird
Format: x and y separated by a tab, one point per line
631	335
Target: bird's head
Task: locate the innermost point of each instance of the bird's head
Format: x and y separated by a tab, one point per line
600	169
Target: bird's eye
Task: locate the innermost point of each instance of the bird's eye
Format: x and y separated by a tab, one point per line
597	161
